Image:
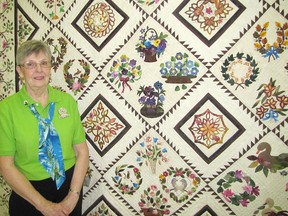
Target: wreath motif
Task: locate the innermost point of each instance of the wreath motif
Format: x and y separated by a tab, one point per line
127	179
59	51
232	70
250	190
76	82
277	47
179	183
99	20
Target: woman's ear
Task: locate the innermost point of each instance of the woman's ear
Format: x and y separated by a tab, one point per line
19	71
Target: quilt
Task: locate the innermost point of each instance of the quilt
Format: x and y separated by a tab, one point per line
184	103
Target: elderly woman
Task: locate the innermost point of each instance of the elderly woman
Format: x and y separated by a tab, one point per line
43	151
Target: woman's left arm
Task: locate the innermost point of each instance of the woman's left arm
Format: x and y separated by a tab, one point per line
80	170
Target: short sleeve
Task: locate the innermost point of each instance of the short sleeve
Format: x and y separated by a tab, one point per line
7	141
79	135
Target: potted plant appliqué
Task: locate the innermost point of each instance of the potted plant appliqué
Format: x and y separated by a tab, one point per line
179	69
151	99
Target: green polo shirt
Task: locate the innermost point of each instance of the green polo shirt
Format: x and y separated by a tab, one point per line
19	130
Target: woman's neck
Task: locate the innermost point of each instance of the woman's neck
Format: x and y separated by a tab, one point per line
39	95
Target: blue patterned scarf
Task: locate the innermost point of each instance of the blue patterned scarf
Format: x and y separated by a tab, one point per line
50	152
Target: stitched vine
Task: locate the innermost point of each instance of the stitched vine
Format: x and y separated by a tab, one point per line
58	52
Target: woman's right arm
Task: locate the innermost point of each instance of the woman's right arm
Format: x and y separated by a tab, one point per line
21	185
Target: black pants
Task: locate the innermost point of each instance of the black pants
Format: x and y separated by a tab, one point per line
47	188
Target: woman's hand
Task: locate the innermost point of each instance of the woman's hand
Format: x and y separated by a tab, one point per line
53	209
20	184
70	202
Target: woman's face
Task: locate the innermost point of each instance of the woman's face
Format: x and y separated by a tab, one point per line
35	71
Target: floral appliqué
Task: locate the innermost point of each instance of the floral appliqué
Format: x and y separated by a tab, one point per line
249	189
127	179
151	152
151	44
101	125
55	4
208	129
151	99
271	101
275	48
76	82
124	72
179	183
209	14
153	202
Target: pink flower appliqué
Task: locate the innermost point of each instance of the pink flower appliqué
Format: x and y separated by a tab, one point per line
154	187
238	174
76	86
244	202
228	193
179	173
248	189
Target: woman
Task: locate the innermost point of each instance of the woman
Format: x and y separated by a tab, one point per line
43	151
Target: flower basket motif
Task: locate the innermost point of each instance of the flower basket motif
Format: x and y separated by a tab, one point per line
153	203
124	71
249	189
151	99
180	69
271	101
151	153
151	45
179	183
127	179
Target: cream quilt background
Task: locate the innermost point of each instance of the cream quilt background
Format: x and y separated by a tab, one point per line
184	103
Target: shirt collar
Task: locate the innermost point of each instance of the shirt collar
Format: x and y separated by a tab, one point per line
27	100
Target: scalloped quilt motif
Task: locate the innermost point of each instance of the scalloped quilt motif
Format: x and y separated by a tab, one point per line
99	22
208	128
